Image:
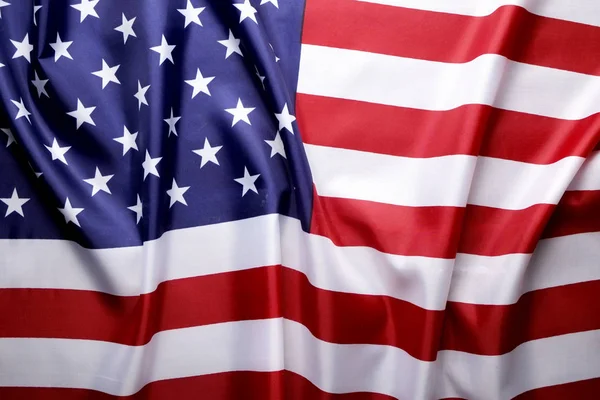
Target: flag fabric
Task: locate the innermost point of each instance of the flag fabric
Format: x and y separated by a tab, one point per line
285	199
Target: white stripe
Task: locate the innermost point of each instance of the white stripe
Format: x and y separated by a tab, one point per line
588	177
538	363
438	181
226	247
405	82
353	174
503	279
582	11
250	243
275	344
515	185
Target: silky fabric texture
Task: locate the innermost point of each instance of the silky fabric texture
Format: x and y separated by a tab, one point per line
385	199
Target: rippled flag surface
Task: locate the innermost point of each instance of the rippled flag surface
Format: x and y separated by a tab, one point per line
267	199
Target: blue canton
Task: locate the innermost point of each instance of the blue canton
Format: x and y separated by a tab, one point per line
121	120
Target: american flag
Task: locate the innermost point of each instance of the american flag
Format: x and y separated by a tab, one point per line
286	199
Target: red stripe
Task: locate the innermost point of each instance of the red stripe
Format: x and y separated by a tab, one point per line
453	38
577	212
443	231
412	231
470	129
335	317
259	293
224	386
429	231
493	231
498	329
580	390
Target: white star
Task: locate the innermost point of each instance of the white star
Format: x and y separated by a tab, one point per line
276	58
3	4
208	153
58	153
176	194
70	213
82	114
126	27
23	49
150	164
35	10
172	121
99	182
240	113
108	74
127	140
274	2
200	83
246	11
11	138
191	14
262	78
232	44
22	112
247	182
40	85
277	146
141	95
164	49
86	7
15	204
1	65
285	119
61	48
137	209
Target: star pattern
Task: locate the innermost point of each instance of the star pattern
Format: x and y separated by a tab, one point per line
141	95
126	27
14	204
137	209
22	111
274	55
99	89
82	114
176	194
35	10
232	44
191	14
200	83
10	136
246	11
240	113
165	50
99	182
127	140
248	182
3	4
260	77
70	213
285	119
149	165
61	49
57	152
277	146
172	121
108	74
274	2
23	48
86	9
208	153
40	85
